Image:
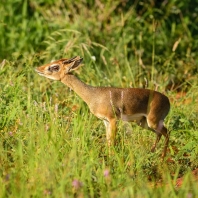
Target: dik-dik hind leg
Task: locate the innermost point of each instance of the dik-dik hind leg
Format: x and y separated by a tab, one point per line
160	130
165	133
110	131
143	123
159	135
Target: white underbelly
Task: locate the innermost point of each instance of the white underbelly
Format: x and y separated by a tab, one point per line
132	118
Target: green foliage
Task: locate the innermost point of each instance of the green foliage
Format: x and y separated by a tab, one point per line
50	143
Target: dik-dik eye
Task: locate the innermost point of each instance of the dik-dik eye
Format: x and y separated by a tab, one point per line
54	68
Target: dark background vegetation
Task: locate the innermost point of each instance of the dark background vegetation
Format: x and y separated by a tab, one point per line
28	28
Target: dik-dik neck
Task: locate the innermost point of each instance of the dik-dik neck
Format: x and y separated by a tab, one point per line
83	90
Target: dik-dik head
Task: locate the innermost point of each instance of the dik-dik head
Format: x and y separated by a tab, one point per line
58	69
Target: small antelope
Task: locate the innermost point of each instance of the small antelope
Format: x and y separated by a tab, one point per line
147	107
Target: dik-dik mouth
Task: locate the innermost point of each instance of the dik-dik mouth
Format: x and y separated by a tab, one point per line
39	72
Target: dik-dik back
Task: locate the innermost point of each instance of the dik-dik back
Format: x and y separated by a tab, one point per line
146	107
134	100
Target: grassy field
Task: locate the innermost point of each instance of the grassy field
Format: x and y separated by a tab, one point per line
50	144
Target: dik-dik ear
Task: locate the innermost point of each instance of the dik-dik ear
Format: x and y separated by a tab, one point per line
72	64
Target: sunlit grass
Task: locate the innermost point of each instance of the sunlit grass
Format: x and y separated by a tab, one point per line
55	146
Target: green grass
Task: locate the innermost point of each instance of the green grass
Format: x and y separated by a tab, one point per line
50	144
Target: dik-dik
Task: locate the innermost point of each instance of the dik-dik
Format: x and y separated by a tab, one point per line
146	107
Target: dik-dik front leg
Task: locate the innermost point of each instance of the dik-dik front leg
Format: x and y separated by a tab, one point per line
110	131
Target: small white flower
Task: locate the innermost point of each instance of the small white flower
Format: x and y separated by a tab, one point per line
93	58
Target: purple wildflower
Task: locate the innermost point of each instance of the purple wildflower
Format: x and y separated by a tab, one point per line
76	184
106	173
189	195
11	133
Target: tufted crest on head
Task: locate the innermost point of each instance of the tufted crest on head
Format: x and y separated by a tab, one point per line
58	69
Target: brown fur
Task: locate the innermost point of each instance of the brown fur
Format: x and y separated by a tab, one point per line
147	107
